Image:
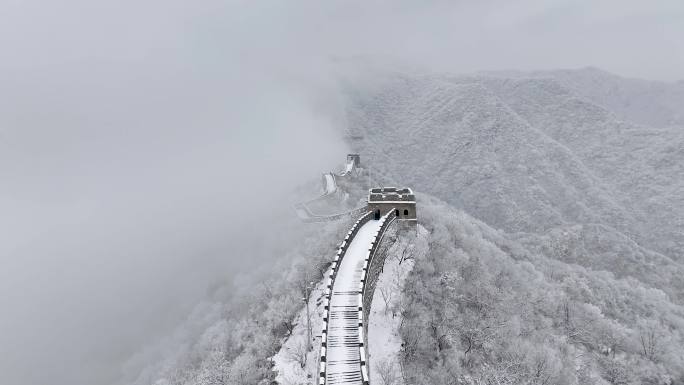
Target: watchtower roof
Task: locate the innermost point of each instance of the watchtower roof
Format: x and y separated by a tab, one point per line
391	194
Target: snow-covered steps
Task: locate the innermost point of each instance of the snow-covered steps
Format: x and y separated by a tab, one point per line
343	357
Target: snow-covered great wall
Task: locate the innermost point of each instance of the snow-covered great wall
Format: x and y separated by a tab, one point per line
348	296
351	279
330	188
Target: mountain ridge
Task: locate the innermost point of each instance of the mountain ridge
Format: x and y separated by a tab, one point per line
475	116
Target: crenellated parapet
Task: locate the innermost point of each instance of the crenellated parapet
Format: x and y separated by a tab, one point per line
372	266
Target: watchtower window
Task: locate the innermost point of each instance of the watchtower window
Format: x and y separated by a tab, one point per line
405	212
396	212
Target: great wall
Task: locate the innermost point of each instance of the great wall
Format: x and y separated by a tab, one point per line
350	282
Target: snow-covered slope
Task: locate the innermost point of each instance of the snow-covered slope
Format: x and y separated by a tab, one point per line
523	154
483	308
651	103
643	166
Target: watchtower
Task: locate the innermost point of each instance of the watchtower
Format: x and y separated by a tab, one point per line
355	159
383	199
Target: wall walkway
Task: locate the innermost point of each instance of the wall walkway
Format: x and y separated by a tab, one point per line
343	351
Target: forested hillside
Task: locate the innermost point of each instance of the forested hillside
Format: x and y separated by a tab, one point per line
523	154
649	103
481	308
